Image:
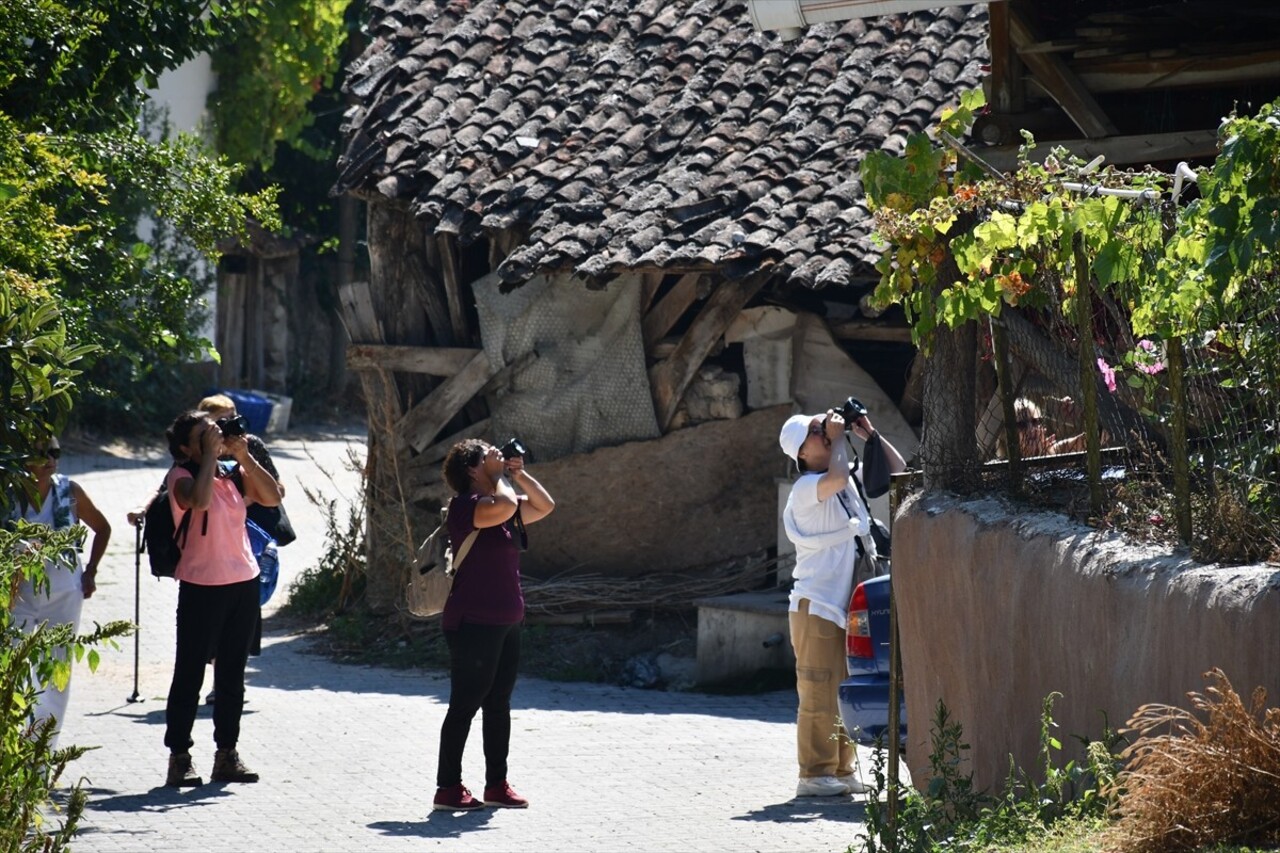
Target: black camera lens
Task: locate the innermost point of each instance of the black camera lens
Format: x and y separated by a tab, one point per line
512	449
232	427
853	409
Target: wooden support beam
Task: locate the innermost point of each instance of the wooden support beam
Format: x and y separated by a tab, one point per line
651	281
419	427
869	330
427	463
431	293
436	361
359	318
450	270
659	320
1060	81
1119	150
1182	71
1007	92
669	379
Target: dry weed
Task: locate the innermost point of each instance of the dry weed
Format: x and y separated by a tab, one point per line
1192	783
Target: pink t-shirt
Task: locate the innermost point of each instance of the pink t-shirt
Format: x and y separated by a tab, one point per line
217	554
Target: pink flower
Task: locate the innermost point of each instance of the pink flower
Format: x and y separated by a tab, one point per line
1146	345
1152	369
1108	374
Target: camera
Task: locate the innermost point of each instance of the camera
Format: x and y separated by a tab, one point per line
233	426
851	409
513	448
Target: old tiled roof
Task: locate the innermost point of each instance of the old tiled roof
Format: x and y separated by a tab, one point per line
646	134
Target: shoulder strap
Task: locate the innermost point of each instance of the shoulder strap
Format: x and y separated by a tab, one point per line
64	496
194	470
464	548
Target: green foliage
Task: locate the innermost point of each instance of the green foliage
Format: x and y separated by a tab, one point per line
37	366
951	814
77	176
337	581
76	66
30	663
1178	270
284	53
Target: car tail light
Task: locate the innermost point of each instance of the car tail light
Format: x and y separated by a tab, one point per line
858	638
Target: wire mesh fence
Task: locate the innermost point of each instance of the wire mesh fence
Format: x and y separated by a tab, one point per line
1171	441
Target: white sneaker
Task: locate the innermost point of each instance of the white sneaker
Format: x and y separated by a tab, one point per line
853	783
821	786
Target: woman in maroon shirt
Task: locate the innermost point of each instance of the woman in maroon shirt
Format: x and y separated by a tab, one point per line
482	615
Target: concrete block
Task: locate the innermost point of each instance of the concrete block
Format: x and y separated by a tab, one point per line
741	634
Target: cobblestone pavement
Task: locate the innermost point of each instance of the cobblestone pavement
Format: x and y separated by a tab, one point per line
347	753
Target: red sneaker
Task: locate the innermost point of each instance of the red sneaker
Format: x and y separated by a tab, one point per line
455	798
502	797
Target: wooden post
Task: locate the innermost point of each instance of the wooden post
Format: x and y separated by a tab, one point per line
451	272
1088	366
1178	452
1007	389
898	486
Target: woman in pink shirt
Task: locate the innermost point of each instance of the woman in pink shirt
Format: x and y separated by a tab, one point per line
218	589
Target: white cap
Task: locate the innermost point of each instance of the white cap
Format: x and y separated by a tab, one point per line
793	435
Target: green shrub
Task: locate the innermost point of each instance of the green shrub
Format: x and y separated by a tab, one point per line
29	663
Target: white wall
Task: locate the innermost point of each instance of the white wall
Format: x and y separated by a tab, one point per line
181	95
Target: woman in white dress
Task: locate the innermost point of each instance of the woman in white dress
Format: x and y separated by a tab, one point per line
62	504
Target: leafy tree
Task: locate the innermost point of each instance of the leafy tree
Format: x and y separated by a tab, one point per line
79	289
283	55
71	80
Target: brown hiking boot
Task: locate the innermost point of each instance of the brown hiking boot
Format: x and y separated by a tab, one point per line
182	773
227	767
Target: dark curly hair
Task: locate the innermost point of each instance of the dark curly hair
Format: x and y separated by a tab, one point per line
179	432
465	454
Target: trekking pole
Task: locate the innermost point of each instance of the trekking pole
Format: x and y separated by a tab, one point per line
137	605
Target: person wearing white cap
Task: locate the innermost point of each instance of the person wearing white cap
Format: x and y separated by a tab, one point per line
826	518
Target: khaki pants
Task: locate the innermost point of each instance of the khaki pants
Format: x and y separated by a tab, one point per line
822	747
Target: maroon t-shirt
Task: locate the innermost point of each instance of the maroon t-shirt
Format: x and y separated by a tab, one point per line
486	586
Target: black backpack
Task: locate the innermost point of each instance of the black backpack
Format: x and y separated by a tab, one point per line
162	541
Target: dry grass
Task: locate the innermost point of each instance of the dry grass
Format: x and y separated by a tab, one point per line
1201	778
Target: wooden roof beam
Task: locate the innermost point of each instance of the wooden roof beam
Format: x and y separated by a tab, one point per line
1062	84
434	361
1118	150
670	378
871	330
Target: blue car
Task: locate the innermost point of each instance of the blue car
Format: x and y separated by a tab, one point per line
864	695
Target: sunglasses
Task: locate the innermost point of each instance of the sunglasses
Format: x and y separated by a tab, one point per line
816	429
1027	424
48	453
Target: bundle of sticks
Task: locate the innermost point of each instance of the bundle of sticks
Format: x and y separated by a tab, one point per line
592	592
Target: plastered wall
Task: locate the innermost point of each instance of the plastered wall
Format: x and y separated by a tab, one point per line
999	606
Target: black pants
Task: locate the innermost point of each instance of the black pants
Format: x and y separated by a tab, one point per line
482	675
218	622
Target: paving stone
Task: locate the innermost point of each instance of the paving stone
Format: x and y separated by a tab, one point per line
347	753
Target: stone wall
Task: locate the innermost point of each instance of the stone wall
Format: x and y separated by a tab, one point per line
1000	606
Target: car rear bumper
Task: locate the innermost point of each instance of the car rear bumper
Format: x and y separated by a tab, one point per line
864	708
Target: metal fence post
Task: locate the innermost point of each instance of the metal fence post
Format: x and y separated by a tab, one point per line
1178	453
